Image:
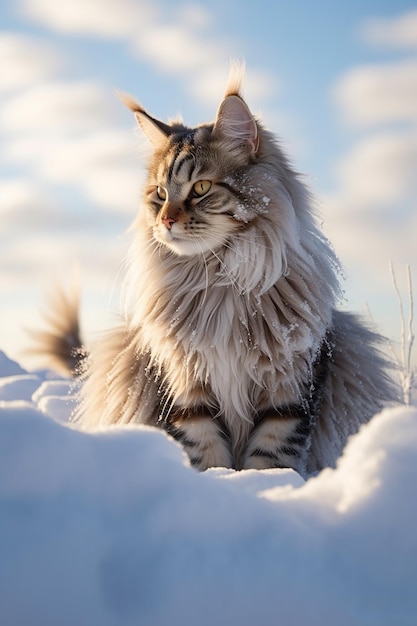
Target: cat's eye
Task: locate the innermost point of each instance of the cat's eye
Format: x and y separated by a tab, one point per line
201	187
161	193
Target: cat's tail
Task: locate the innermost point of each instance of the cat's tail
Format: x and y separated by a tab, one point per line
59	345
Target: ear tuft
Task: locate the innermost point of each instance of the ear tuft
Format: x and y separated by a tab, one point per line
129	102
236	76
235	121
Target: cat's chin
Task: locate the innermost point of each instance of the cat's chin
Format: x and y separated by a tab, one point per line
187	246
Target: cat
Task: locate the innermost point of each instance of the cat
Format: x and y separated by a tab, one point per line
231	340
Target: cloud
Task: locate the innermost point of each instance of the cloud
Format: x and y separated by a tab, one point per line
99	18
42	232
181	41
398	32
370	241
27	60
27	208
173	48
380	171
156	33
65	133
374	94
35	256
371	213
18	194
58	107
103	165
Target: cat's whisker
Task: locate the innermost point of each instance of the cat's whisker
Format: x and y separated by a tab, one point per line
241	257
153	246
122	267
206	271
233	242
228	272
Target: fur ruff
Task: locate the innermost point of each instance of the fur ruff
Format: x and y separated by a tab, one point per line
245	327
248	322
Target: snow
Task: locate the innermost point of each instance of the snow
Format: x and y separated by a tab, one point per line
114	528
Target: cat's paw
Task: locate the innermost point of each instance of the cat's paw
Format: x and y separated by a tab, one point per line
277	442
202	437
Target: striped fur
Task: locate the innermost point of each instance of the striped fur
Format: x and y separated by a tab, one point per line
230	338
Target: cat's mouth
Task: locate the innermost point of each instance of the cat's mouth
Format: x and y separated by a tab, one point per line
184	243
176	239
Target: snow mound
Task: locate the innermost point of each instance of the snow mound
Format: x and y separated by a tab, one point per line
115	528
9	367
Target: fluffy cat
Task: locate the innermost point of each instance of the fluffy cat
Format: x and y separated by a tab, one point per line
230	340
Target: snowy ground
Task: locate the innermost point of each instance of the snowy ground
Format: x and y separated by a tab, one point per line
116	529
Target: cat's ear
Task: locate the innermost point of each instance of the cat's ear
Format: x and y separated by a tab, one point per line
235	121
155	131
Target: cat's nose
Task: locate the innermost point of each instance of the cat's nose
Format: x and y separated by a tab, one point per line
168	221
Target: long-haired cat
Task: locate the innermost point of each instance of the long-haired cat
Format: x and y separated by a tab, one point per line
230	340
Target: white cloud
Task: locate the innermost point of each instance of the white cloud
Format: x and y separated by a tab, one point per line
371	216
34	257
63	107
102	164
368	240
26	60
398	32
65	133
17	194
375	94
174	48
380	171
171	45
366	245
180	42
99	18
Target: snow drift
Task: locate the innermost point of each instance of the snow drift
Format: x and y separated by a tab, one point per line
115	528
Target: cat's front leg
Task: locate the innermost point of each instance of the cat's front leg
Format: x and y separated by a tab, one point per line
278	440
203	437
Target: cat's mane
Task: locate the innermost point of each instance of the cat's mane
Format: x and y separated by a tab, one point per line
192	313
248	325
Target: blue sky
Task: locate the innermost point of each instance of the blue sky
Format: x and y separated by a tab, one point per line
337	82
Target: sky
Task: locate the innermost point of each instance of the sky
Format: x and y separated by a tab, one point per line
337	83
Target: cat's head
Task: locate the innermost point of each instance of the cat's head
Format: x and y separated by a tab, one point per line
204	184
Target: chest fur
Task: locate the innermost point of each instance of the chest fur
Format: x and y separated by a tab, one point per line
235	351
